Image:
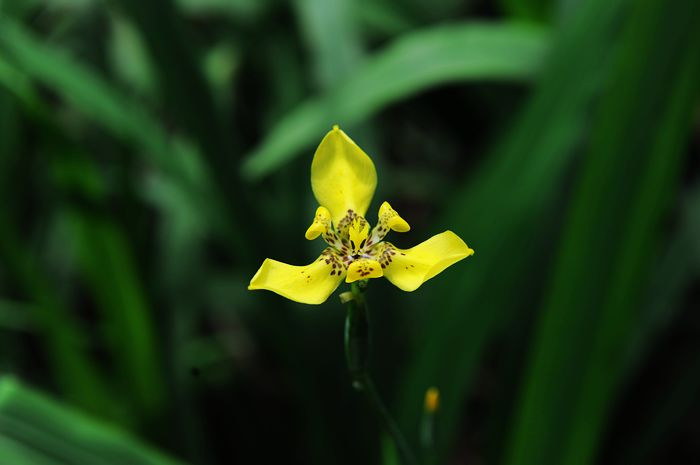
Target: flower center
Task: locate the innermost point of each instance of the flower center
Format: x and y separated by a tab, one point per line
352	242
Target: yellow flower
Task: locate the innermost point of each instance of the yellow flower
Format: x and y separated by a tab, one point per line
343	179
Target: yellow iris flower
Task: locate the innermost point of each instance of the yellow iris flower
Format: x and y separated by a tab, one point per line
343	179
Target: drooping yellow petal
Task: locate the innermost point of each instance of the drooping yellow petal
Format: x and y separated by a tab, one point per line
363	269
388	218
342	175
408	269
310	284
321	224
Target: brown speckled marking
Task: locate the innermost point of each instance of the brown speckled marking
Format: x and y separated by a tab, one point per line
383	253
335	260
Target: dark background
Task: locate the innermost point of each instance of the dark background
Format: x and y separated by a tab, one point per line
153	153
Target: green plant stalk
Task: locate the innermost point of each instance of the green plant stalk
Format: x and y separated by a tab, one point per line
427	438
357	350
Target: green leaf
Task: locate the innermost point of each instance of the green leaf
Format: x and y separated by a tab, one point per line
23	56
37	430
415	62
16	316
236	9
106	262
331	35
83	89
677	267
61	336
532	10
504	212
613	229
188	98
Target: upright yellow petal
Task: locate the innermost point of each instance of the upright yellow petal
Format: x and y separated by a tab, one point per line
342	175
310	284
408	269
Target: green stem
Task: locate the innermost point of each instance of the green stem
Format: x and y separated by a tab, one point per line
427	438
357	343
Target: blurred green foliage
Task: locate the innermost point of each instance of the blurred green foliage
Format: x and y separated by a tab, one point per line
152	154
36	430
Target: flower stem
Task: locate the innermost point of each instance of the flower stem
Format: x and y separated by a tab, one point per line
357	342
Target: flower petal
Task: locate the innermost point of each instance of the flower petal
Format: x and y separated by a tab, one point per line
309	284
342	175
408	269
321	224
386	220
389	219
363	268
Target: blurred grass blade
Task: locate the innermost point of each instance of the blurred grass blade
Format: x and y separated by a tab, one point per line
676	400
16	316
107	264
16	83
73	372
415	62
532	10
189	99
22	54
236	9
17	453
83	89
671	277
185	92
631	170
510	228
677	63
35	430
72	369
332	36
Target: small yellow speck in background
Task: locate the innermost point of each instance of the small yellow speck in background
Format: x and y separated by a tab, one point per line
432	400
